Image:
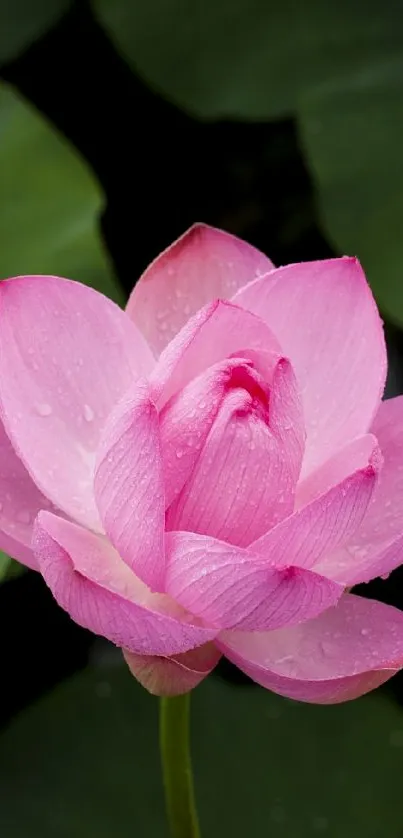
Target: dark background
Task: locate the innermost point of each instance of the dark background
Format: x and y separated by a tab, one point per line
161	169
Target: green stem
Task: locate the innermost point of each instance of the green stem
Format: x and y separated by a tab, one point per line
176	766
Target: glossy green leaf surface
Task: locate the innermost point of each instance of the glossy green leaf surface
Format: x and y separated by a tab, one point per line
49	203
84	763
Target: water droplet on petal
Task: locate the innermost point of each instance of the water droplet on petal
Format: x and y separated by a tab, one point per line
88	413
364	632
179	453
44	409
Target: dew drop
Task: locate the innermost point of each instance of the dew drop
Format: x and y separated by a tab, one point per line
364	632
43	409
284	659
88	413
179	453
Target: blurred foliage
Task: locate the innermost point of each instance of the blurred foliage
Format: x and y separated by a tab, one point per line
352	133
9	569
49	211
249	59
50	202
84	761
23	21
5	564
336	67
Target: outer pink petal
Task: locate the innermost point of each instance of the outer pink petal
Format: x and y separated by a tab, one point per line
361	564
175	675
319	528
89	580
203	264
233	588
129	487
353	456
342	654
217	331
377	547
20	502
18	551
384	519
244	479
326	320
67	354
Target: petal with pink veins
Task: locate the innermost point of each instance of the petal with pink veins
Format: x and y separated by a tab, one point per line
327	323
377	547
327	523
244	480
361	564
129	485
175	675
342	654
216	332
20	502
351	457
187	420
67	354
203	264
232	588
100	592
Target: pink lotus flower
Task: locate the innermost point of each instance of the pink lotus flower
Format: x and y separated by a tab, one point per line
208	472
